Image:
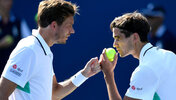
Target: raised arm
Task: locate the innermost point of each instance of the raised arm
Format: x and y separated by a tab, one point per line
62	89
108	71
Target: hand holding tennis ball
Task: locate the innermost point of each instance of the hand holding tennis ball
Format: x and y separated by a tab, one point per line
110	53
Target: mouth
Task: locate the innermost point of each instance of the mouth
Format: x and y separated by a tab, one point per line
67	36
118	49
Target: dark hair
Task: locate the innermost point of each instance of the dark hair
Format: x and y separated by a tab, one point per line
54	10
130	23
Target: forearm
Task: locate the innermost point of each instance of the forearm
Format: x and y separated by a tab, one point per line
6	88
63	89
3	97
111	87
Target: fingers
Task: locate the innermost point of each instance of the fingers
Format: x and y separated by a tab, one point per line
95	66
94	62
104	54
101	59
115	59
96	69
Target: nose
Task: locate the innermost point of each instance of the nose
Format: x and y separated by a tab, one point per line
72	31
115	43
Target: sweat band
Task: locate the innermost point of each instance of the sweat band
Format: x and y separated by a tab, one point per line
78	79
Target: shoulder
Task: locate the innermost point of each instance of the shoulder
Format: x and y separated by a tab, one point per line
28	42
157	60
143	71
25	45
155	55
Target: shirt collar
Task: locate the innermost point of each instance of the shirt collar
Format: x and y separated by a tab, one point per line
144	49
43	43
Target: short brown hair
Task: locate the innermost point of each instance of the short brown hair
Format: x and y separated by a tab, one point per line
130	23
54	10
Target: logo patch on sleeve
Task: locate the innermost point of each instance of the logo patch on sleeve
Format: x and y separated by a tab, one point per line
136	88
16	70
133	87
14	66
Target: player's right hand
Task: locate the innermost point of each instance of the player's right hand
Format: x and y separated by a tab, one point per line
106	65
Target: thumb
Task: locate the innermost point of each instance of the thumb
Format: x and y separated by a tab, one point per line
115	59
93	61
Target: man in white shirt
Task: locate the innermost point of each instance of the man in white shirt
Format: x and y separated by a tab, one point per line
28	74
155	75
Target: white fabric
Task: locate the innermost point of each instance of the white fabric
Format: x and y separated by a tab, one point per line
28	63
155	74
78	79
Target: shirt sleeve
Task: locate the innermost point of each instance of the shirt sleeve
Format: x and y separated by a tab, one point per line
19	67
143	84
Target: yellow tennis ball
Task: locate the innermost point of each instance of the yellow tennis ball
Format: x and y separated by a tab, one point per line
110	53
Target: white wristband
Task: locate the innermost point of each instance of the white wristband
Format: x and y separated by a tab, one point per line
78	79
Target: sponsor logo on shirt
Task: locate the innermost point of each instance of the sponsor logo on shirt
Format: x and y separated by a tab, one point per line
134	88
139	88
16	70
14	66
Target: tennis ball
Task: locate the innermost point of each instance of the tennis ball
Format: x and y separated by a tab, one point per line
110	53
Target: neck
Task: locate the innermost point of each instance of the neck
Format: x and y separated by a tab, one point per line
137	49
44	32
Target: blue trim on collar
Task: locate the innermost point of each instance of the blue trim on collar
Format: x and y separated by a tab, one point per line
44	44
144	49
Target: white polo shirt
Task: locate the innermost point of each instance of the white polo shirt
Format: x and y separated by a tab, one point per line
156	73
30	67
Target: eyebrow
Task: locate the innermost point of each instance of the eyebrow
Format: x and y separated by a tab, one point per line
117	36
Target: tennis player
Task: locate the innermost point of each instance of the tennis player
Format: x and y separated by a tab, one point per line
155	75
28	74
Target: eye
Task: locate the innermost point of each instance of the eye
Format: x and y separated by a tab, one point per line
117	38
70	26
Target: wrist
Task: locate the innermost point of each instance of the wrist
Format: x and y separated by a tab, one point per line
109	77
78	79
108	74
84	73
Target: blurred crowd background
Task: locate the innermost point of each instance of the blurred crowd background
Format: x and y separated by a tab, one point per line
92	35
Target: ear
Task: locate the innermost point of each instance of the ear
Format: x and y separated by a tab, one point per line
53	25
136	37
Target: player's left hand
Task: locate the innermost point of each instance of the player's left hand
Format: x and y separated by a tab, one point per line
91	68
